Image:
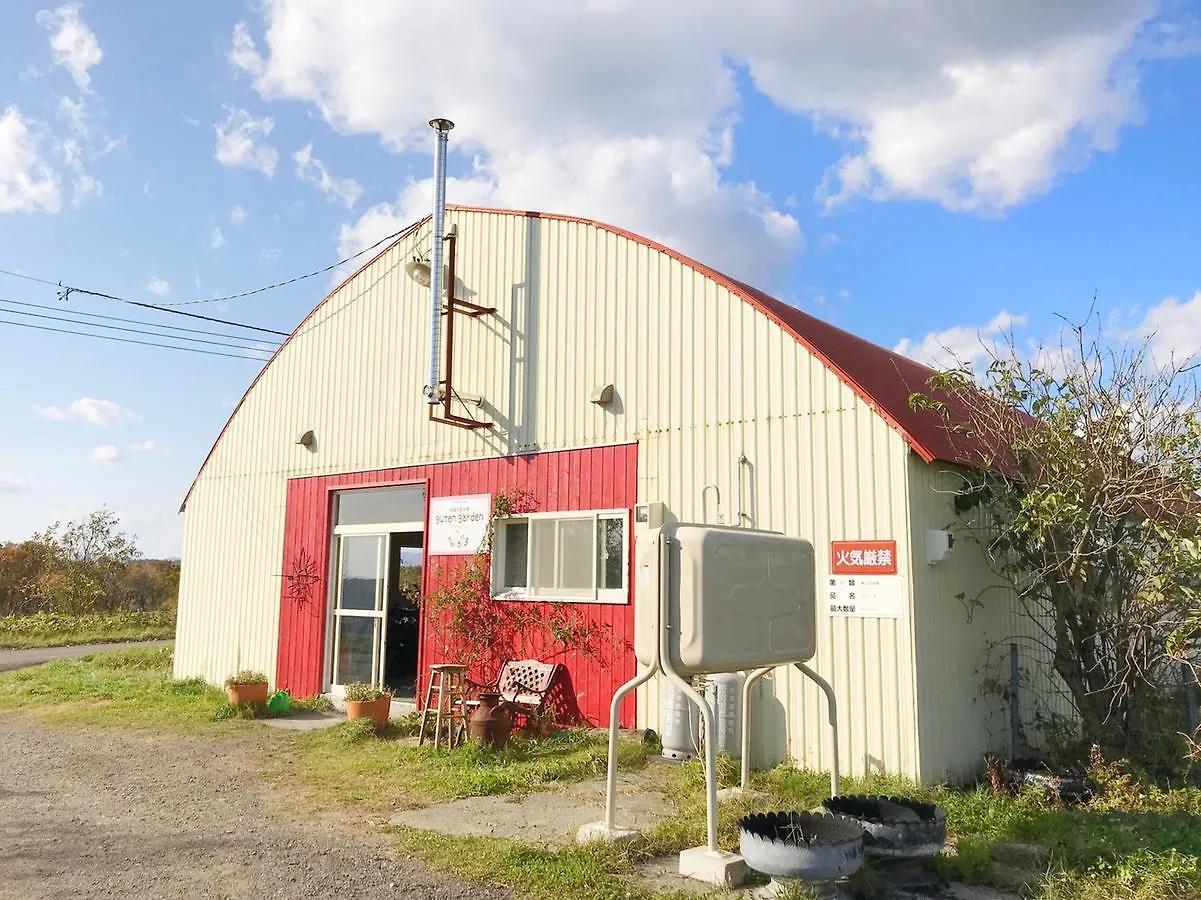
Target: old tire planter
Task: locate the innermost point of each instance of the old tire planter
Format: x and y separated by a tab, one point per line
800	845
1068	787
894	827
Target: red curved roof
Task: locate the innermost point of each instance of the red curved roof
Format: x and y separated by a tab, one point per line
885	380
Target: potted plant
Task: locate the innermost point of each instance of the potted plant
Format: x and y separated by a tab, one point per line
247	687
365	701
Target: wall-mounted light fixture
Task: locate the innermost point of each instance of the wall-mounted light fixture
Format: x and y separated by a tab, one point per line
603	395
307	440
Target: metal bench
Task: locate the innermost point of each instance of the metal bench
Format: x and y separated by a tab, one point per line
524	686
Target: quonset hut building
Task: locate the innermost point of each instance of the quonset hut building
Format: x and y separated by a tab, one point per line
606	372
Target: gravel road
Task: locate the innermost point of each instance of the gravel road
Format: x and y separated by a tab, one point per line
118	814
19	659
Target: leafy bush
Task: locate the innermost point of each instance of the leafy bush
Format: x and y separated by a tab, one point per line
360	692
246	676
49	629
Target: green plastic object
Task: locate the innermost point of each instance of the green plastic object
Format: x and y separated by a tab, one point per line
279	702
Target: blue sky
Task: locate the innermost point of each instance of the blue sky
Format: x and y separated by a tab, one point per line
914	173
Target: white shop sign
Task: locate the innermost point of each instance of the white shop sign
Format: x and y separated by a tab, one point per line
458	525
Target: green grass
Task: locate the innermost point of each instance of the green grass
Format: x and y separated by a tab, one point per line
60	630
1132	842
348	763
126	687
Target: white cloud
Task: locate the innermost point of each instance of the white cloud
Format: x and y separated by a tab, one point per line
844	294
237	215
566	107
308	168
240	142
12	484
74	44
216	238
159	286
1173	327
142	447
106	453
88	409
268	255
961	344
828	240
27	182
146	189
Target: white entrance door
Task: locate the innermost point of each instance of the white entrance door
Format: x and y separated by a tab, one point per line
360	631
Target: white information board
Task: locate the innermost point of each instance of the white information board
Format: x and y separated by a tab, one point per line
865	596
458	525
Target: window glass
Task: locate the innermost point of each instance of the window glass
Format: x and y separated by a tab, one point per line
576	545
542	536
610	558
378	506
562	556
361	575
515	561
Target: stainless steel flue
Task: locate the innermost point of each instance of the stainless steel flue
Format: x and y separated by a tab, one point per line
442	129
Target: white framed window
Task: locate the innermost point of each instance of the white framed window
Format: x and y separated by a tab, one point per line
577	556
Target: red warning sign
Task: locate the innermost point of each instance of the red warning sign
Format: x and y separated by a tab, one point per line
863	557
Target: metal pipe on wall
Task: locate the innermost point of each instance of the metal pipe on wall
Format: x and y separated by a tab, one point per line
442	128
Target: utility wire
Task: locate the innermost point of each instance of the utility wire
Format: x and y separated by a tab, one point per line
65	292
73	312
181	337
109	337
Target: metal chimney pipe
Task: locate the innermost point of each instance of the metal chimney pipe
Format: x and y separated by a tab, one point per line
442	128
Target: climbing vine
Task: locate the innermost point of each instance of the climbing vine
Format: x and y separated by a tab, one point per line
482	631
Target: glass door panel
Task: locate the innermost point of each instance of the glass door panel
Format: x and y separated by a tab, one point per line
359	609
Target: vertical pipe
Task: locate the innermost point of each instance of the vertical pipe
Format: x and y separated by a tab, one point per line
697	699
1190	694
746	723
448	390
442	127
833	707
1015	709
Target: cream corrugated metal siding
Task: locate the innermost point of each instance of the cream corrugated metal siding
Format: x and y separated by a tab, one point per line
702	379
966	620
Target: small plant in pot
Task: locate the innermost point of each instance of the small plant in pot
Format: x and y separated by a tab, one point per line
247	687
365	701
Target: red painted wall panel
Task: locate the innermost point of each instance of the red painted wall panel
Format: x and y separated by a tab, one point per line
596	478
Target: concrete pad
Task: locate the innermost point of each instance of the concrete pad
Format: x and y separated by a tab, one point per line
601	833
546	818
306	721
717	867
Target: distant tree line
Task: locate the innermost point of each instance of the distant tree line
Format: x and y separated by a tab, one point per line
83	567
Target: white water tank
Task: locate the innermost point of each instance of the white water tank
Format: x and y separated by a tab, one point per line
723	690
680	723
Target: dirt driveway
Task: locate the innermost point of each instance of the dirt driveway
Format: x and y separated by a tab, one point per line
118	814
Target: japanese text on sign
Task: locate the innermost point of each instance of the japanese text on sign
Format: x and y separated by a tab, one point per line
863	557
458	525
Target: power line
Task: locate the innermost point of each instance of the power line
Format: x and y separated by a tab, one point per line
17	312
109	337
67	290
90	315
64	293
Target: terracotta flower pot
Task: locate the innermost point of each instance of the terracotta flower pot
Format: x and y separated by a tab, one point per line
377	710
490	724
254	692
